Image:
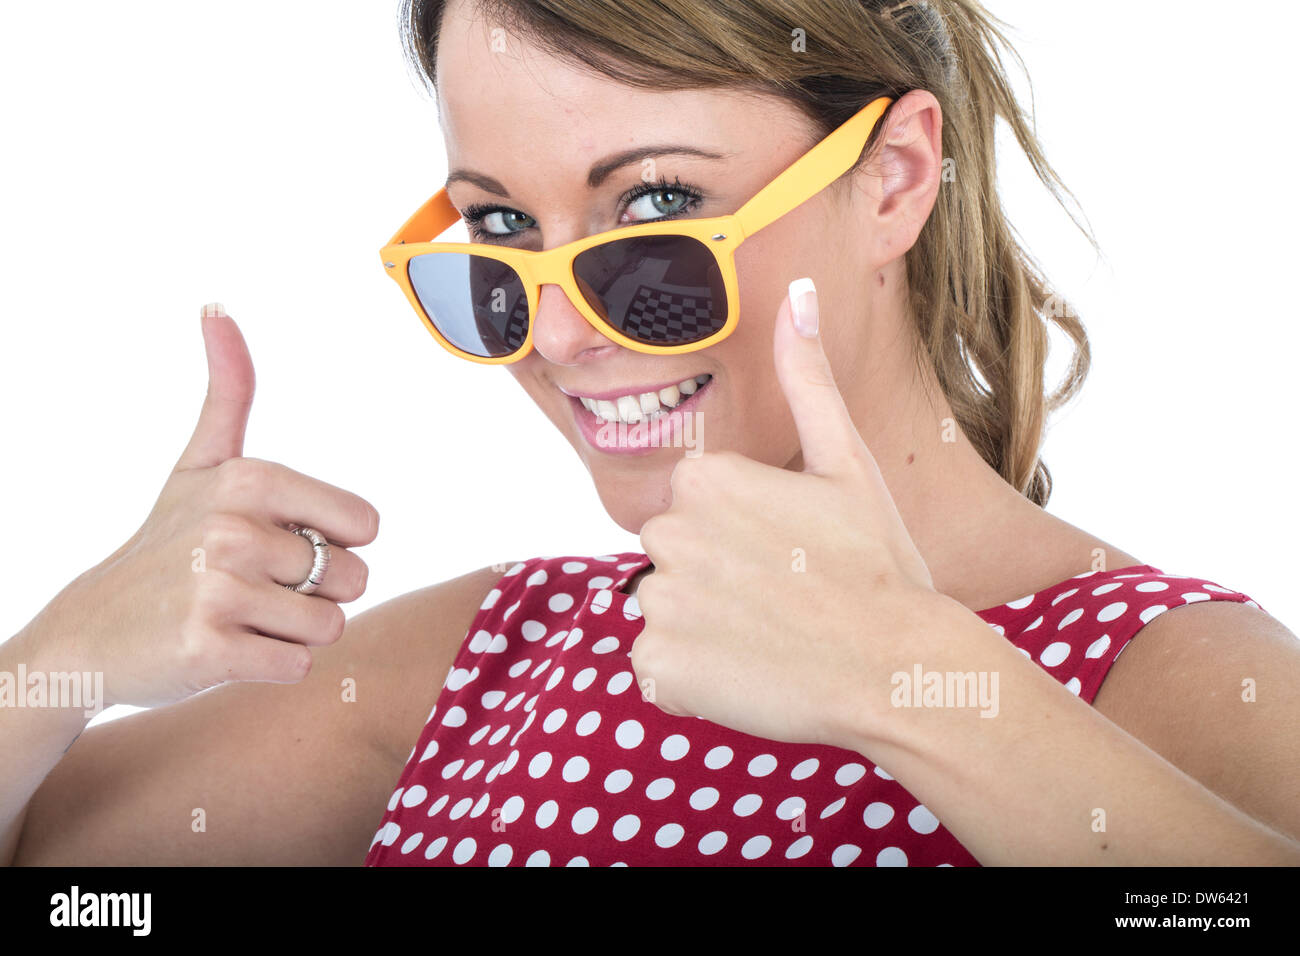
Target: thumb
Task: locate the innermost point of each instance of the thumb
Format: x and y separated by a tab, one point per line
827	434
219	433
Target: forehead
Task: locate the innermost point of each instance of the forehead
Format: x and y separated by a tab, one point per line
504	103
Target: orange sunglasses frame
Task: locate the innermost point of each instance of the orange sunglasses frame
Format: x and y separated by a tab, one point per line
801	180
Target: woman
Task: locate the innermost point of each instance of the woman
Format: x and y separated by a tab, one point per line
855	573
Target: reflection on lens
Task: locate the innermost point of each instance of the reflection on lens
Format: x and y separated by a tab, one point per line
664	290
478	304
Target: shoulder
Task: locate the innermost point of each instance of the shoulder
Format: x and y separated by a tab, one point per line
1213	686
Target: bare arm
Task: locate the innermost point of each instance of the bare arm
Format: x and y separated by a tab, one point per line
283	773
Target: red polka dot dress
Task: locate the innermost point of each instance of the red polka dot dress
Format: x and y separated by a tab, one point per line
541	750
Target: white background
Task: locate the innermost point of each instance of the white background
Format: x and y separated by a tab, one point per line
158	156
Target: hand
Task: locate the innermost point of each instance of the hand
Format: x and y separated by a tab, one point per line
777	596
196	597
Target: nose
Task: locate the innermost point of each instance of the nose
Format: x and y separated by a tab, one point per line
561	335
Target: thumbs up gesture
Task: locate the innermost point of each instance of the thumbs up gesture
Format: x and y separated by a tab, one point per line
198	595
779	598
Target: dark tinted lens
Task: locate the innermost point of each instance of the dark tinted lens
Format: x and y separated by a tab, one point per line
661	290
477	303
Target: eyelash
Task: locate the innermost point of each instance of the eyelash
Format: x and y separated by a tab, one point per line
474	213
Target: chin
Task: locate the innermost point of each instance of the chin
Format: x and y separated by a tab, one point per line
634	496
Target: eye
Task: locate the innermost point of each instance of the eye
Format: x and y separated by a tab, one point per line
660	200
495	221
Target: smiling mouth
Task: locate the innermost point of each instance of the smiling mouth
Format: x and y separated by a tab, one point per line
644	406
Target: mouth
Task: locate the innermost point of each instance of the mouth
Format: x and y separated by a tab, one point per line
642	404
642	419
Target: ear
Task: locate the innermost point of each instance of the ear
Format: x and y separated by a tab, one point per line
906	173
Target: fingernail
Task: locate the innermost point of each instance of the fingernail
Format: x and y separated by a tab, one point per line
803	307
212	308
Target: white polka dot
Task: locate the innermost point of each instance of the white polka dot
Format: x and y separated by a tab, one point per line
1063	595
704	798
536	578
498	645
532	630
392	801
556	638
619	682
882	773
1054	653
492	698
755	847
512	809
1111	611
480	733
1147	586
502	731
805	769
790	807
762	765
845	854
584	821
922	820
501	856
573	640
547	813
510	761
891	856
632	608
587	724
560	603
539	858
747	805
1021	603
464	850
1098	647
1153	611
618	781
1193	596
582	680
674	747
554	720
480	641
600	582
438	804
578	861
1070	618
575	769
452	769
718	757
491	599
605	645
877	814
629	734
712	842
1107	588
1038	620
661	788
601	601
557	675
669	835
538	766
833	808
514	701
457	679
572	567
456	717
626	827
799	848
434	848
387	834
515	569
849	774
541	667
430	750
1073	686
481	805
472	770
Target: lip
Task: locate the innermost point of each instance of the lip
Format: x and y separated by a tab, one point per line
629	390
637	438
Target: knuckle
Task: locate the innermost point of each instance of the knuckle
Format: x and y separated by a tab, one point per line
298	663
224	533
818	375
333	621
240	479
217	591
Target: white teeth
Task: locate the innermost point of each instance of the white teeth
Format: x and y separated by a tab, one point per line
629	409
645	406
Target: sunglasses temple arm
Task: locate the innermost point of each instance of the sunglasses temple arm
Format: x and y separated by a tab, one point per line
430	221
814	171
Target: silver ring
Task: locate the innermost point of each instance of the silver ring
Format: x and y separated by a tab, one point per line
320	561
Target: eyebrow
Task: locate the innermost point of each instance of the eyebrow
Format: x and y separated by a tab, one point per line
598	173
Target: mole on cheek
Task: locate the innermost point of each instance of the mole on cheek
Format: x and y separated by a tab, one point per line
910	458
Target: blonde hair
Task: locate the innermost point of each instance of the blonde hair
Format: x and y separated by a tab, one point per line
980	304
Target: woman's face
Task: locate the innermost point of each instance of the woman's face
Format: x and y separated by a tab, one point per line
537	127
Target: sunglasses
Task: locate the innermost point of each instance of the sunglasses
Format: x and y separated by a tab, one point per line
656	287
